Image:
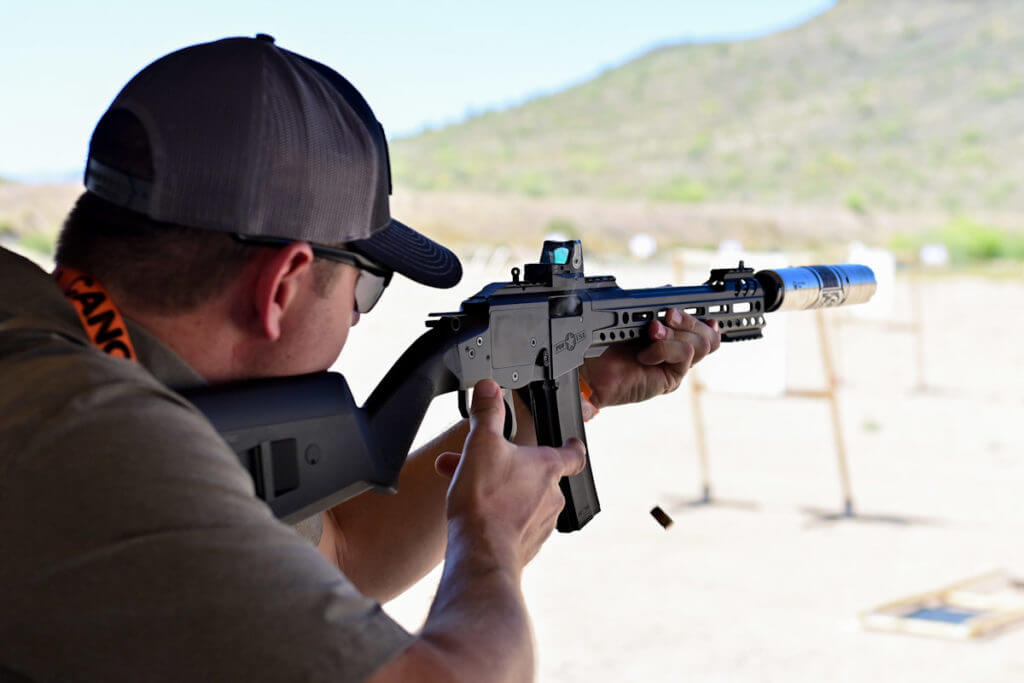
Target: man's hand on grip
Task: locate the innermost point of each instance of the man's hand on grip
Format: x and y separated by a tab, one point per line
505	495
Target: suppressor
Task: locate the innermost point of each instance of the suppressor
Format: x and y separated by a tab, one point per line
807	287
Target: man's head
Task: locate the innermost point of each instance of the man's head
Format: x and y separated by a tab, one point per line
224	158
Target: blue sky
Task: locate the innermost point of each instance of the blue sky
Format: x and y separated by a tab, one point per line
417	63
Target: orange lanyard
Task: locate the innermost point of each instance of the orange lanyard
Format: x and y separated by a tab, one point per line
101	320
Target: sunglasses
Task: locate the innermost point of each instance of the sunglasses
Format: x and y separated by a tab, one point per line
371	282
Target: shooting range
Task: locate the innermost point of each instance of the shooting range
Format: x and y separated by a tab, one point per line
840	500
926	471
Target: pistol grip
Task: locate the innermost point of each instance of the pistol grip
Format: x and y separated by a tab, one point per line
511	426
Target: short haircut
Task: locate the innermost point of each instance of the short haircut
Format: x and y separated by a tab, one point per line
158	267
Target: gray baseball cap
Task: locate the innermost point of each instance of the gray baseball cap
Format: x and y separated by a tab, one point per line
251	139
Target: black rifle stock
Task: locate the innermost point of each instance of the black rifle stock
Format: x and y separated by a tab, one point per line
308	446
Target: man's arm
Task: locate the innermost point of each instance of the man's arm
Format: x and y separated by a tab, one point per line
501	506
384	544
130	525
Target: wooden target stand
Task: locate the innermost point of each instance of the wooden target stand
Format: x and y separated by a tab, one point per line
829	394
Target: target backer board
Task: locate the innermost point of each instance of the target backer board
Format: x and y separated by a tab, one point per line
967	609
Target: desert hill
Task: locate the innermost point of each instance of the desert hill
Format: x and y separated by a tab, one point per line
873	105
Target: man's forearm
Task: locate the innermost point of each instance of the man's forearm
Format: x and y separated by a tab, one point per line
384	544
478	627
501	506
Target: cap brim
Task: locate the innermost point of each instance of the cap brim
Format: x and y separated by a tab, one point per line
415	256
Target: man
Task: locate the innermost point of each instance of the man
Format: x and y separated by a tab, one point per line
236	224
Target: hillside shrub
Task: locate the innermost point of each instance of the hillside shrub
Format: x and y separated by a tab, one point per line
855	202
682	189
531	183
968	240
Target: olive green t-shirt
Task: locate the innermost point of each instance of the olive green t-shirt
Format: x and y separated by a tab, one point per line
133	547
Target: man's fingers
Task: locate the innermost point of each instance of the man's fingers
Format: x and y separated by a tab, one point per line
573	456
680	320
487	412
684	322
662	353
674	352
681	339
447	463
710	329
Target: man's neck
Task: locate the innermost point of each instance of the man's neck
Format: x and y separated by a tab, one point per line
204	338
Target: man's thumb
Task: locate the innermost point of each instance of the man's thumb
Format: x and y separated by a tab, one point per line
488	409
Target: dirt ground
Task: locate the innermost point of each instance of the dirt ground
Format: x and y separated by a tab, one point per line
765	584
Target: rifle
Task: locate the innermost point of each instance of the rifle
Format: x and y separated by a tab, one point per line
308	446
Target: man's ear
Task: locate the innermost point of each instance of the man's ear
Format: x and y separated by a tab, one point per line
277	284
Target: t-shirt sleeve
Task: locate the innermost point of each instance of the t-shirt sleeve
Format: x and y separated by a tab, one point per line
142	554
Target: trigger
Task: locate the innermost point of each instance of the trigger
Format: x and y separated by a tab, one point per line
510	414
463	405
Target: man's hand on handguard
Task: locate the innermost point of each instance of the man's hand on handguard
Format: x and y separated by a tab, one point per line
624	374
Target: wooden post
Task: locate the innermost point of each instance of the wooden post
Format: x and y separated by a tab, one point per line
833	400
917	327
696	392
828	393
